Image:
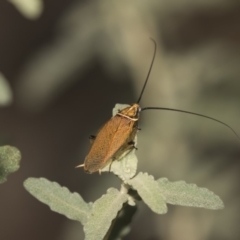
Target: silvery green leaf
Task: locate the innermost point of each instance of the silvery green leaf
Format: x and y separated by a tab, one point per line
118	107
126	166
5	92
31	9
9	161
104	210
181	193
59	198
148	190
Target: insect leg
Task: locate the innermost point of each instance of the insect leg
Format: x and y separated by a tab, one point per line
92	138
110	165
131	144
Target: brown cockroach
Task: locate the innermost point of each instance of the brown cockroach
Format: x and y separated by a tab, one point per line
117	135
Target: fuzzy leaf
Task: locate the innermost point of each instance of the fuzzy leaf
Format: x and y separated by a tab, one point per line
118	107
58	198
104	210
9	161
126	166
148	190
5	92
181	193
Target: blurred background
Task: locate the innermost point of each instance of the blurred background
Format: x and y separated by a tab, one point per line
68	62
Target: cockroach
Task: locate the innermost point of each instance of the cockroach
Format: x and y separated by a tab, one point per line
118	133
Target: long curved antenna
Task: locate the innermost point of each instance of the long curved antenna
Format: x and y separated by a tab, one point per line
149	71
197	114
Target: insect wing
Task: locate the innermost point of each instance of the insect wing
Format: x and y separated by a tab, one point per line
106	144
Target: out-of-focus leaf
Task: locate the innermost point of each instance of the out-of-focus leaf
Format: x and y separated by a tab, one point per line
58	198
104	210
5	92
9	161
148	190
181	193
31	9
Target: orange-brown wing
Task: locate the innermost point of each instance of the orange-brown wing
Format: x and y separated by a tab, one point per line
122	137
102	149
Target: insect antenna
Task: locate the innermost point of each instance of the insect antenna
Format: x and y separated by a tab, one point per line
149	71
172	109
192	113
